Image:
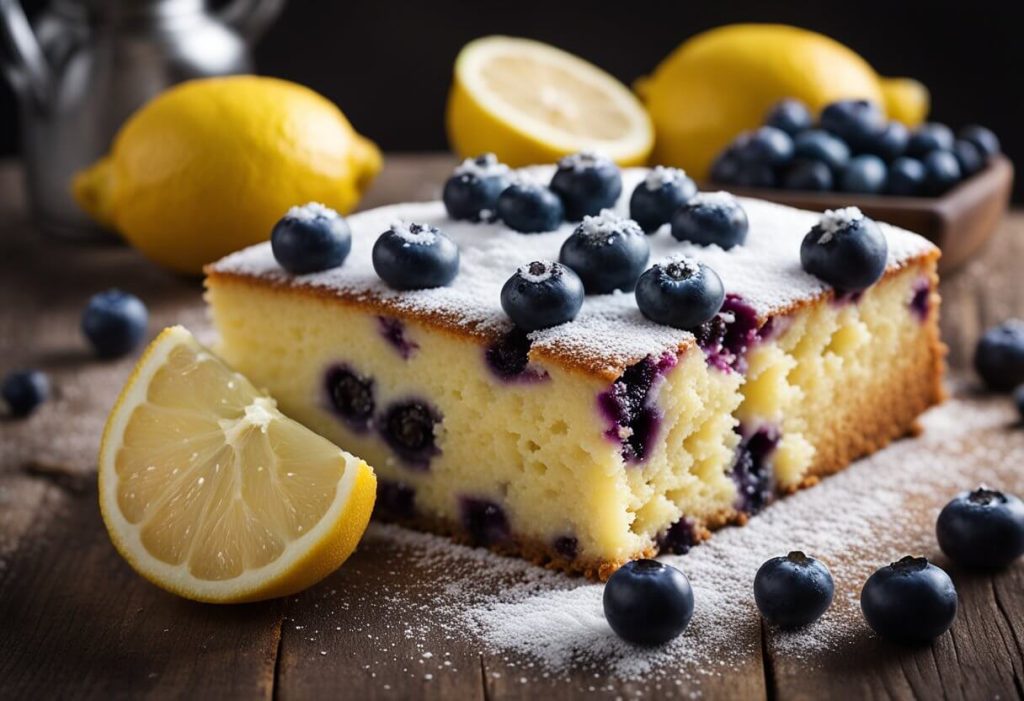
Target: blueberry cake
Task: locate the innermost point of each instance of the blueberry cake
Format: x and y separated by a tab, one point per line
598	392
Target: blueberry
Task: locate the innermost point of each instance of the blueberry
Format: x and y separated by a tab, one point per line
658	195
999	356
1018	399
680	292
607	252
726	167
808	175
790	115
530	208
472	191
310	238
910	601
711	218
891	143
586	183
542	294
984	139
415	257
484	521
820	145
768	146
793	591
983	528
845	249
929	137
114	323
857	122
941	172
968	156
864	174
754	175
351	395
408	427
906	177
24	390
647	602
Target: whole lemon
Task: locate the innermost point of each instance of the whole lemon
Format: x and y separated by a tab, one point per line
210	165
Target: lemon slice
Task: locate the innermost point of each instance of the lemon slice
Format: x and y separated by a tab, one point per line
532	103
210	492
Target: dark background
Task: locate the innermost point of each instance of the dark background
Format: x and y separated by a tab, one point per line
388	64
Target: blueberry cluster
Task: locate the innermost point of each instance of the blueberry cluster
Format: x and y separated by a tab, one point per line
852	148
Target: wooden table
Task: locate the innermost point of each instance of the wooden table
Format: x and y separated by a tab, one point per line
75	621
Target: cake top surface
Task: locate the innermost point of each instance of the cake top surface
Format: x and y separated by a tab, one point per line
610	332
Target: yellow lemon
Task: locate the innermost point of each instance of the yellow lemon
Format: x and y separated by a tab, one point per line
906	100
528	102
209	492
210	165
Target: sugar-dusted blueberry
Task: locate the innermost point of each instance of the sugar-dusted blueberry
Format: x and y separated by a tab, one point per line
351	395
415	256
530	208
910	601
542	294
766	145
794	590
310	238
820	145
891	142
114	323
472	191
857	122
408	427
647	602
680	292
586	183
789	115
968	156
658	195
608	252
999	356
983	528
928	137
941	172
484	521
24	390
711	218
845	249
808	175
864	174
906	177
984	139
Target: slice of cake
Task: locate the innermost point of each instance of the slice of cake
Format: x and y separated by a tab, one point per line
610	437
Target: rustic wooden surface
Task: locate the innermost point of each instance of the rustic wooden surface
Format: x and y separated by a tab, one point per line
76	622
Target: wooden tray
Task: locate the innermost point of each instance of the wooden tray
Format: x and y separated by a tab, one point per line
959	222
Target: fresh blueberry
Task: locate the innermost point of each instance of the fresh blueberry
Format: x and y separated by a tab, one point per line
658	195
351	395
415	257
845	249
24	390
941	172
647	602
891	142
680	292
542	294
984	139
864	174
310	238
999	356
726	167
808	175
906	177
910	601
608	252
114	323
1018	399
586	183
472	191
789	115
929	137
756	175
983	528
820	145
793	591
711	218
484	521
857	122
767	145
530	208
969	157
408	427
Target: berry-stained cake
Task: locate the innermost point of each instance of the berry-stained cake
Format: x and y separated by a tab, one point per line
763	348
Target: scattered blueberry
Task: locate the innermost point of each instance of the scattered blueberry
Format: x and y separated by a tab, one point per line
608	252
768	146
906	177
968	156
647	602
680	292
24	390
985	141
415	257
790	115
929	137
586	183
999	356
711	218
910	601
794	590
857	122
351	395
530	208
484	521
983	528
820	145
891	143
542	294
310	238
864	174
660	194
114	322
941	172
408	427
845	249
472	191
814	176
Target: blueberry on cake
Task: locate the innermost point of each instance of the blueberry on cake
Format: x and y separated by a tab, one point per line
578	388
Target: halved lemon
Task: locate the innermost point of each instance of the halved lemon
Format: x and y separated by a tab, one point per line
528	102
210	492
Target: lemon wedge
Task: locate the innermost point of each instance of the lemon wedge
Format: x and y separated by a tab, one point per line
211	493
528	102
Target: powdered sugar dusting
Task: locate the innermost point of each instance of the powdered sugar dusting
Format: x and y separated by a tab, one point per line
581	160
484	166
414	234
311	211
835	220
714	199
606	223
537	271
660	176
